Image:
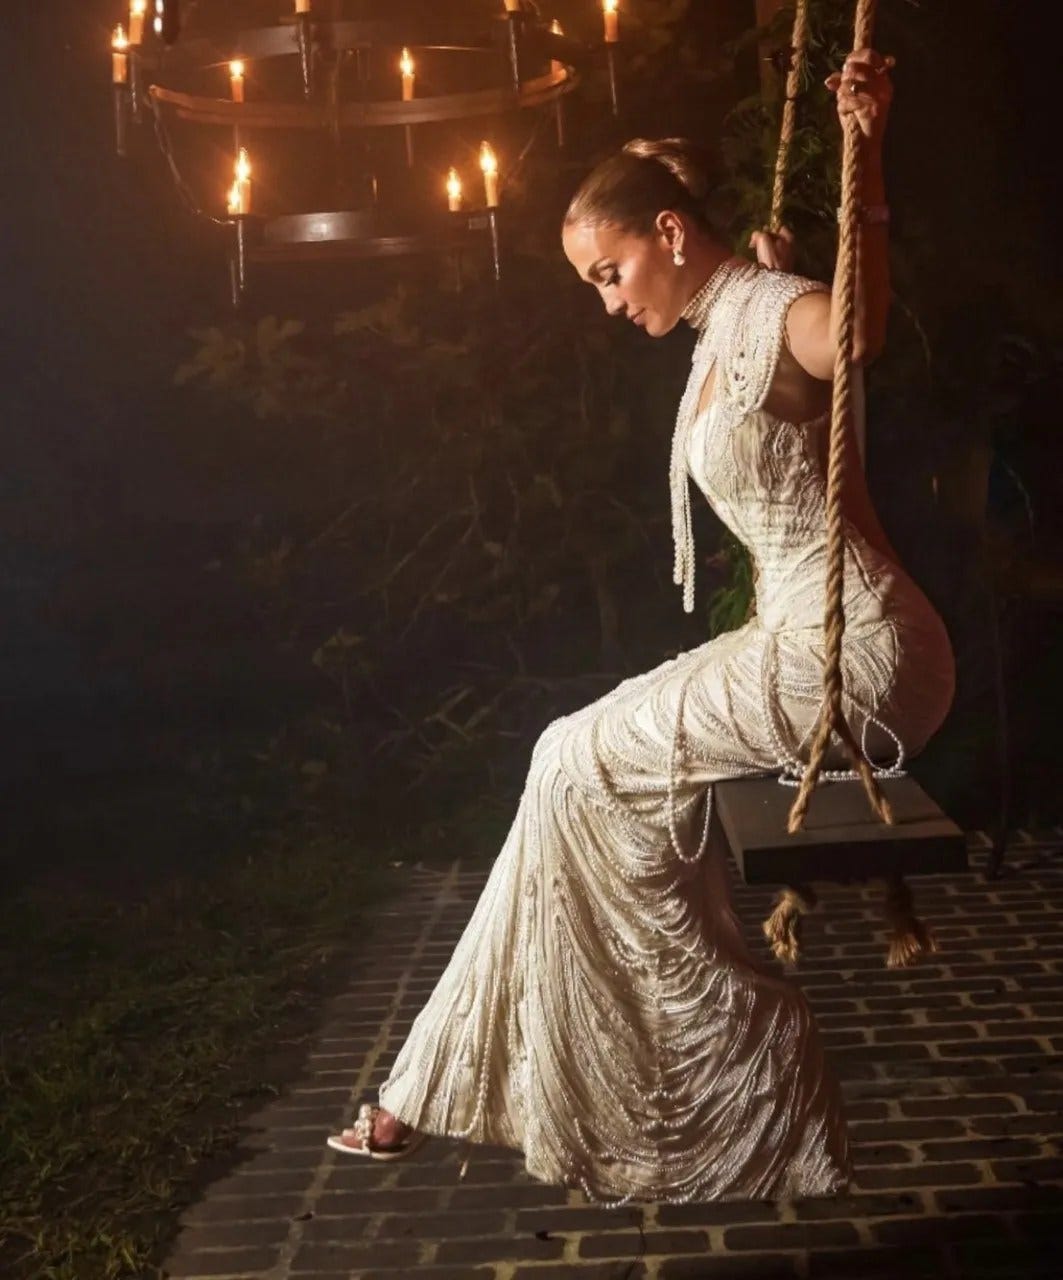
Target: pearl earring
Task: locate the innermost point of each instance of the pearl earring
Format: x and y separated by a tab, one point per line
679	258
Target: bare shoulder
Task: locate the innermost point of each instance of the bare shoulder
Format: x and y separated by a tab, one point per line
807	330
800	393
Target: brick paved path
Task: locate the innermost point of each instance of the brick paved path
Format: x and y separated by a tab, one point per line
953	1074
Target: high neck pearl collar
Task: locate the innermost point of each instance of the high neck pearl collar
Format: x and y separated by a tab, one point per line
697	311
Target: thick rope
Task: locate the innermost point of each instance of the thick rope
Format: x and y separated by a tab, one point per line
832	717
783	928
798	55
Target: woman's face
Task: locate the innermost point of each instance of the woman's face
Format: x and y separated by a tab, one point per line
634	274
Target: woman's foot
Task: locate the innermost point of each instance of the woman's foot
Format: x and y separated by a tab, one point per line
377	1134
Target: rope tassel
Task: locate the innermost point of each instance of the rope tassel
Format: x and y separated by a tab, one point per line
784	926
910	939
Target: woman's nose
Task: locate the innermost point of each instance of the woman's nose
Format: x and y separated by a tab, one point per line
615	306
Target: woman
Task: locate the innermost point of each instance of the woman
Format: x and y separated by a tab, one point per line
601	1011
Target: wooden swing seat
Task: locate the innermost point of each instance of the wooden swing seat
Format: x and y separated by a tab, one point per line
841	840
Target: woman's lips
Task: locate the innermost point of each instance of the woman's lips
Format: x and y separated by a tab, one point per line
639	319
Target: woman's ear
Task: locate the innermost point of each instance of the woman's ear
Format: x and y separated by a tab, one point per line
671	230
671	233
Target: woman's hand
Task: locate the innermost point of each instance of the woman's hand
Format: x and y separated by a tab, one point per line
864	90
774	250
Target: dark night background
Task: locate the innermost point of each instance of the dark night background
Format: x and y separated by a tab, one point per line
239	697
113	500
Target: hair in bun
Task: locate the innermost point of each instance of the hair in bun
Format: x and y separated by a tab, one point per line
630	188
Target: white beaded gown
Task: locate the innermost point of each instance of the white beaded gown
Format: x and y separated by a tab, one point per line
601	1011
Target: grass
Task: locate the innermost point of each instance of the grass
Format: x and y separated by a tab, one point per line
136	1028
147	1004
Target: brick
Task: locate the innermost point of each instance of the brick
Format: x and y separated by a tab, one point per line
856	1206
905	1130
856	1264
246	1182
510	1249
842	1039
979	1149
242	1209
435	1226
791	1235
1043	1126
1037	1101
1039	1169
235	1235
340	1254
372	1200
1031	1027
1012	1197
715	1267
582	1218
638	1244
996	1048
573	1271
918	1175
436	1273
928	1229
923	1000
926	1034
880	1153
1004	1260
874	1053
518	1195
716	1213
223	1262
867	1110
994	1104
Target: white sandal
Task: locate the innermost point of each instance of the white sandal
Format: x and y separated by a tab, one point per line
362	1133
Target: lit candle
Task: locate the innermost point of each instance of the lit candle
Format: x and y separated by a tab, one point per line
236	78
234	200
556	68
454	191
489	165
406	66
160	6
513	6
242	186
137	10
612	20
120	56
302	6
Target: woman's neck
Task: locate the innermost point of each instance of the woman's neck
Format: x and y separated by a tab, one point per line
712	273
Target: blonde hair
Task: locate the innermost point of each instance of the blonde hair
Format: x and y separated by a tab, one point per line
630	188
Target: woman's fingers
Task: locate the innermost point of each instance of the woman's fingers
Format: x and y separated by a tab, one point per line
761	242
880	62
774	250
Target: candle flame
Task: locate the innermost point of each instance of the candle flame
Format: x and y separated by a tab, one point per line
243	166
236	68
454	185
120	42
611	6
138	8
555	27
488	159
406	63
